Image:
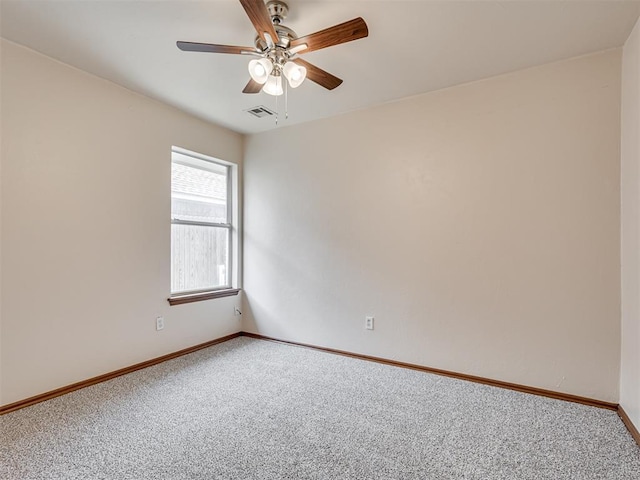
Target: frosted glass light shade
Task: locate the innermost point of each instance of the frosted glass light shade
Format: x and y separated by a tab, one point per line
273	86
259	69
294	73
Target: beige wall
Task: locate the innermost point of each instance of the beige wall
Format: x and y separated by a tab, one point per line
85	226
479	224
630	185
1	51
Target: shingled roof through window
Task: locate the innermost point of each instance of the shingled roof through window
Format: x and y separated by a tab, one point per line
197	182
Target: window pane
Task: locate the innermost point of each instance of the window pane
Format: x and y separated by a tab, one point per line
199	257
198	194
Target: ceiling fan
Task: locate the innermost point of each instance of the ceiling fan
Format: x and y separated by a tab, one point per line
278	47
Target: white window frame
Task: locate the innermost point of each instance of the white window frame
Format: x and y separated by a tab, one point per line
198	160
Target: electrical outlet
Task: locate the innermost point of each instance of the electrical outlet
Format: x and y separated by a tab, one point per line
159	323
368	322
236	311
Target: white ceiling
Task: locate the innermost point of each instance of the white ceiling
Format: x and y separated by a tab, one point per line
413	47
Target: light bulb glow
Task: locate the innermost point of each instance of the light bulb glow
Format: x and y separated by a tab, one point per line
259	69
295	73
273	86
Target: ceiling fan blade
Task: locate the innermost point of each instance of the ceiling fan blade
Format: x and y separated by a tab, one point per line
212	48
252	87
345	32
259	16
319	76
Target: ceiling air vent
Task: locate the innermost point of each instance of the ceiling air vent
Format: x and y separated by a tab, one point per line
260	112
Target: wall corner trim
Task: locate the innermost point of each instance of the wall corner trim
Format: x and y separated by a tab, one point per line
635	433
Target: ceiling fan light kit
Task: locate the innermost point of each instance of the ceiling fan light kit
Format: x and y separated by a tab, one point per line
278	47
265	72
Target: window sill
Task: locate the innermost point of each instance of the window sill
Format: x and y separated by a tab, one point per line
201	296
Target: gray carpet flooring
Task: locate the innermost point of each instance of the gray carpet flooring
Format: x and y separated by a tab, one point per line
252	409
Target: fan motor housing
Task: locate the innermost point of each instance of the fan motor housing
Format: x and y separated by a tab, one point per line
285	35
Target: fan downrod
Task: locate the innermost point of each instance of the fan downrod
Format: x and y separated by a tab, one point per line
278	11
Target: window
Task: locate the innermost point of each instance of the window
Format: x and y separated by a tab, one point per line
201	227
